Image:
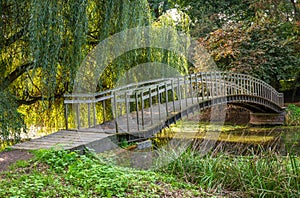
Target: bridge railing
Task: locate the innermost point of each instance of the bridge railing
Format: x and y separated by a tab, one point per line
136	106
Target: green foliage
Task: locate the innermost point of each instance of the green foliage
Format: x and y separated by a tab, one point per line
208	16
254	175
11	121
260	46
124	143
260	38
292	115
67	174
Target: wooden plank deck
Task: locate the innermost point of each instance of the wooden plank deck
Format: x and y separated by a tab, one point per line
101	137
64	139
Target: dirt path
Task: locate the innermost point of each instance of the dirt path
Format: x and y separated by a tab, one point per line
8	158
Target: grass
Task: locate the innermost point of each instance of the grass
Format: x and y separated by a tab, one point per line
58	173
68	174
263	175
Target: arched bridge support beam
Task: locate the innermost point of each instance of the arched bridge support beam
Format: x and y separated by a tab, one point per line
267	118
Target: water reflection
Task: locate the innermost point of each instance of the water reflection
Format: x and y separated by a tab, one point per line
239	140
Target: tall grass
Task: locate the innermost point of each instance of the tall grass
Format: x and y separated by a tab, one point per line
266	174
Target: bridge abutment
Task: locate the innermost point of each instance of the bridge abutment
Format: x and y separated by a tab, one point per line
267	118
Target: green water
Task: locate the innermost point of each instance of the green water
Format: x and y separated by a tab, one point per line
234	139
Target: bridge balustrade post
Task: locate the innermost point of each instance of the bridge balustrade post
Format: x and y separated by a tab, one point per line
249	85
216	84
229	80
263	91
240	80
137	110
267	92
115	110
205	86
271	95
66	116
225	91
167	99
89	115
173	94
211	85
253	92
237	83
252	89
191	88
281	101
127	111
78	115
159	101
142	101
179	92
197	88
185	91
258	88
232	84
219	85
94	112
150	103
202	87
245	86
103	111
241	83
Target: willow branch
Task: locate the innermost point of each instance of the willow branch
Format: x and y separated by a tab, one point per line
34	99
16	73
13	38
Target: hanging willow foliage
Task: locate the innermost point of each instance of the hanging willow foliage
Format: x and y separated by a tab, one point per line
58	32
42	44
121	15
13	53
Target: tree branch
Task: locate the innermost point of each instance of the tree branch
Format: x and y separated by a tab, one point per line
18	72
13	38
296	11
34	99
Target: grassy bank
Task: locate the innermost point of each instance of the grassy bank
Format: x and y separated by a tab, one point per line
263	175
68	174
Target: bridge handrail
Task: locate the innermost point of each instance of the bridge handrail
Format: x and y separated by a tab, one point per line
204	84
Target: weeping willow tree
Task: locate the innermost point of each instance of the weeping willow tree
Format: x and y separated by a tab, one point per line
42	43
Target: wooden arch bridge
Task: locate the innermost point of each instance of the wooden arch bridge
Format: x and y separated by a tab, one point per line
147	107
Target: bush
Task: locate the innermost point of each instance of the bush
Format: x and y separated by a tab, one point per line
292	115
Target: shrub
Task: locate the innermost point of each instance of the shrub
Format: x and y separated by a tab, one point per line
292	115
